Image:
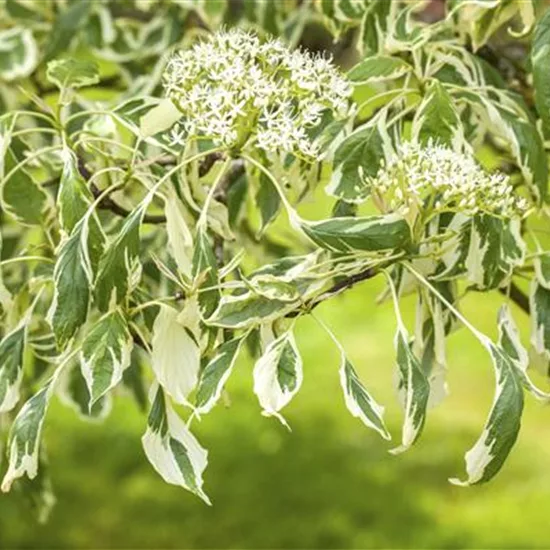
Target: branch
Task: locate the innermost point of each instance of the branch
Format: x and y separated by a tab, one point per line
337	288
518	297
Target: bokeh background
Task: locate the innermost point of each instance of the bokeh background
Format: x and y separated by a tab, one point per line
329	484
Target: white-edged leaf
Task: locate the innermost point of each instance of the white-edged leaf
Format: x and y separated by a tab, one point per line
175	355
540	318
72	73
105	353
12	349
510	343
496	247
357	158
18	53
278	375
172	449
413	385
120	268
358	400
378	67
25	433
180	238
215	375
486	457
437	119
541	263
540	60
370	234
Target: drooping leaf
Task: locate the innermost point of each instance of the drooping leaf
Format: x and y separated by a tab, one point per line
72	73
105	353
205	266
540	318
278	375
172	449
159	118
175	354
180	238
495	248
358	400
510	343
25	433
487	456
540	60
215	375
120	267
12	349
370	234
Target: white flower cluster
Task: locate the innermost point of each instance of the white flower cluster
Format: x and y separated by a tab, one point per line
232	88
439	178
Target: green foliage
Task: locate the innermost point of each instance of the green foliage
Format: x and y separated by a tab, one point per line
162	207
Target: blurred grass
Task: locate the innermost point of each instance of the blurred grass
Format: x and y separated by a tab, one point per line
328	484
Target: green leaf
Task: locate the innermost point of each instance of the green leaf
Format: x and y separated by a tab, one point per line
22	198
120	267
248	309
540	318
487	456
540	61
205	268
19	53
72	73
172	449
159	118
414	388
437	119
370	234
510	343
268	201
496	248
278	375
541	262
65	27
358	400
73	280
12	349
378	67
176	352
180	238
215	375
357	158
24	439
105	353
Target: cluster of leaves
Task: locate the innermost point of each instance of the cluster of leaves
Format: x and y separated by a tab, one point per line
131	263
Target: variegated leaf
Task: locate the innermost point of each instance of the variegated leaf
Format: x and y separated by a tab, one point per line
175	355
215	375
12	349
72	73
120	268
540	60
105	353
19	53
378	67
172	449
370	234
540	318
510	343
25	434
487	456
180	238
278	375
359	401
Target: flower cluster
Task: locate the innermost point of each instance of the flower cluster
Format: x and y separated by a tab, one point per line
232	88
439	178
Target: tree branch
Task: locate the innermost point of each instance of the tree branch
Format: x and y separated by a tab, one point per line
338	287
518	297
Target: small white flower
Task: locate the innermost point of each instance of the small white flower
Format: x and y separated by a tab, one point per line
448	181
234	89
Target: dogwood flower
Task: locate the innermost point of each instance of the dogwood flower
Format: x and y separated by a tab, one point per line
234	89
444	180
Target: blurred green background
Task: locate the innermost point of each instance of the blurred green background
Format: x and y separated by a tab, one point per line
329	484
